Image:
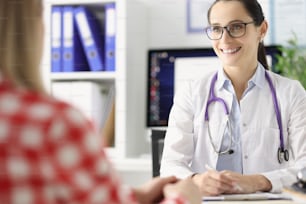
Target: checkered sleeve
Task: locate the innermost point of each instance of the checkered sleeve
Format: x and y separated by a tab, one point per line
50	153
82	172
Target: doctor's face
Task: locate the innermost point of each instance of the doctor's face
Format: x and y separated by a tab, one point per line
238	44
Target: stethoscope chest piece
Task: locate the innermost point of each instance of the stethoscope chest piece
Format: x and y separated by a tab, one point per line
282	154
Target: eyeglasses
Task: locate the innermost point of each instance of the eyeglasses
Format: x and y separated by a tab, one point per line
235	30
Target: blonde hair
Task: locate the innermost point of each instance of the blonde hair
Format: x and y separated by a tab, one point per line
21	35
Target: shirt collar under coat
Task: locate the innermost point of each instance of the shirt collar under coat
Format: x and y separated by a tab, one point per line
258	79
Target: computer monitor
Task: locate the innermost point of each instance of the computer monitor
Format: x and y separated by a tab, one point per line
162	77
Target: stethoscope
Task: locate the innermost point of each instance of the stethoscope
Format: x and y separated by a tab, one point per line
282	152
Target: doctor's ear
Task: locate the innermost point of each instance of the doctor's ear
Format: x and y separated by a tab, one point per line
263	30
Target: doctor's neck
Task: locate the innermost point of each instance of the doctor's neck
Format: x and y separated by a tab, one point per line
239	77
240	73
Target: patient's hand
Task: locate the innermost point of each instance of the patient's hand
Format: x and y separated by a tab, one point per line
185	188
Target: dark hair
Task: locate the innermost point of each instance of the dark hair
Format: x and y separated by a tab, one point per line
255	11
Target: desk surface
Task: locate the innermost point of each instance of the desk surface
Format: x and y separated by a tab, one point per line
254	198
252	202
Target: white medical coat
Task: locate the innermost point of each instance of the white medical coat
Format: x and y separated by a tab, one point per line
187	147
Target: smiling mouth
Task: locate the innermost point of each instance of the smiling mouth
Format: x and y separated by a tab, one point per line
230	51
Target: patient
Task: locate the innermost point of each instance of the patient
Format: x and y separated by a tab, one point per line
49	152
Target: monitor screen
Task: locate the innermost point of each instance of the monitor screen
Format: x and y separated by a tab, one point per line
167	67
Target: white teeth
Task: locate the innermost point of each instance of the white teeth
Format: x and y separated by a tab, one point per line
230	51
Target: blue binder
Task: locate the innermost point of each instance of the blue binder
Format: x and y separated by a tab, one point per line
73	55
91	37
110	33
56	39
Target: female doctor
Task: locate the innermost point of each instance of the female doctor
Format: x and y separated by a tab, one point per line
241	129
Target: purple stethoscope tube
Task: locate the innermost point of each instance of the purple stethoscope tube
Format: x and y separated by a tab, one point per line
282	153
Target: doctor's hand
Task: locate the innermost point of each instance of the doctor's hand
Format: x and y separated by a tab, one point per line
213	183
247	183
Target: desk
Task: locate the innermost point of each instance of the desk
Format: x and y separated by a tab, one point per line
251	202
254	198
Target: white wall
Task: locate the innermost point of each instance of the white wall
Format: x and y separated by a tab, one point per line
167	21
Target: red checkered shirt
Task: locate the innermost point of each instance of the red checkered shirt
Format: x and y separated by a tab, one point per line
50	153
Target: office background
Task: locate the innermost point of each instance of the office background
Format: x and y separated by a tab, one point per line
177	23
162	24
170	23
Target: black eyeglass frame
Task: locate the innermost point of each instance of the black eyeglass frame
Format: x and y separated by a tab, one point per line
227	28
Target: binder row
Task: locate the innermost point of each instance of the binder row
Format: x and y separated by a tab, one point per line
79	42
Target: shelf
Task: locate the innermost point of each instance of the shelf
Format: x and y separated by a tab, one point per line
133	164
74	2
62	76
128	79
